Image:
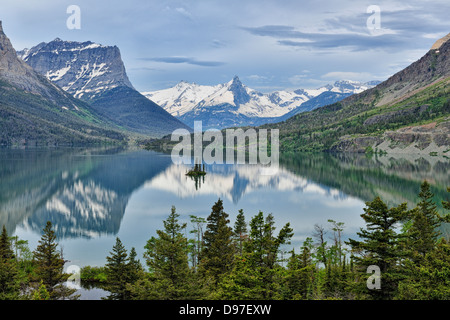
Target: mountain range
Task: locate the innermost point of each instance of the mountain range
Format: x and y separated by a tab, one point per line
407	113
67	92
234	104
96	74
33	110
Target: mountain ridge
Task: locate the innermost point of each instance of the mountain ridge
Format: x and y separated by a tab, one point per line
408	112
96	74
212	104
35	111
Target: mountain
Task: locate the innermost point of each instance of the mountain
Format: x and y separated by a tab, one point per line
234	104
83	69
35	111
96	74
407	113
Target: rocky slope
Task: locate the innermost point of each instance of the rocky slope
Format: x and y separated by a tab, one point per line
83	69
96	74
35	111
409	112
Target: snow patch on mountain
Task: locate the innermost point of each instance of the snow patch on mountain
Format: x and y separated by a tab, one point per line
190	101
84	69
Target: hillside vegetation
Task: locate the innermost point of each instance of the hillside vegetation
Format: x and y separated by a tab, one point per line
415	96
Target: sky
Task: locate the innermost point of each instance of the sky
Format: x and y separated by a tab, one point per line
270	45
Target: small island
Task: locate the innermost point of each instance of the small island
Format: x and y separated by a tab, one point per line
197	171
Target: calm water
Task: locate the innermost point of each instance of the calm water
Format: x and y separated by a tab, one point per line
93	196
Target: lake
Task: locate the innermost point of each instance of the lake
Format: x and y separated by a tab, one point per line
93	195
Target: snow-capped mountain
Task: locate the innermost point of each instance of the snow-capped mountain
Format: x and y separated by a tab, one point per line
234	104
96	74
83	69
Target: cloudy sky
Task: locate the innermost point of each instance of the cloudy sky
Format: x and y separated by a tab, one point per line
270	45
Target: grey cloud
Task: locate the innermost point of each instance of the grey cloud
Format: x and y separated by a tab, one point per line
186	60
288	36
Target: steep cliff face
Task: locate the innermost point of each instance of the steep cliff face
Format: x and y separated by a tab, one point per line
83	69
96	74
432	138
35	111
16	72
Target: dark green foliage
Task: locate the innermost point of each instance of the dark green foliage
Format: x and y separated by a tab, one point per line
380	245
50	265
167	259
423	231
300	273
117	270
431	279
217	257
240	232
258	274
414	261
9	286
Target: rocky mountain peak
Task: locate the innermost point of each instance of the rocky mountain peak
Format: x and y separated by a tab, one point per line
437	44
16	72
83	69
240	93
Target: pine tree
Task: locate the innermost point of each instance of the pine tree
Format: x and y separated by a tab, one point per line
118	271
300	272
49	265
423	231
429	280
240	231
167	259
380	245
135	267
9	286
261	253
217	256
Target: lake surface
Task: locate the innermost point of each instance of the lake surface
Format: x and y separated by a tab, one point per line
93	196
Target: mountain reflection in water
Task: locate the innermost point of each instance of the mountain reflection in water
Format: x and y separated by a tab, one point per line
106	192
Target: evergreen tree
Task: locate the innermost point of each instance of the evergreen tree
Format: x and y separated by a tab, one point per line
423	231
300	273
218	251
118	272
49	265
9	286
429	280
257	274
380	245
240	232
167	259
135	268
